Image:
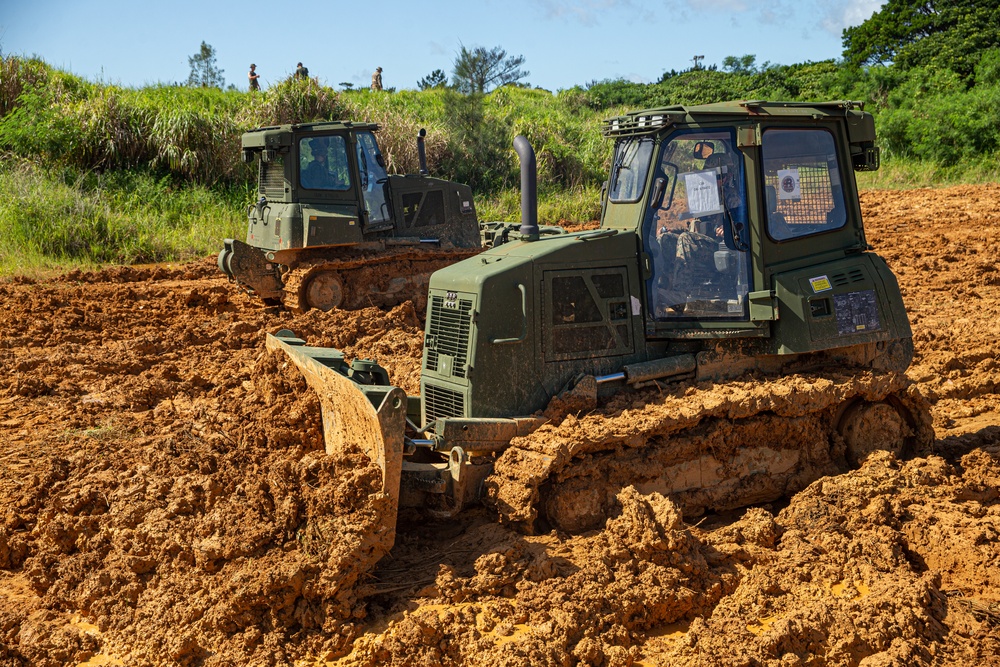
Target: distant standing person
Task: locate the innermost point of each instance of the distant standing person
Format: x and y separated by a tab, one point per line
301	72
253	76
377	79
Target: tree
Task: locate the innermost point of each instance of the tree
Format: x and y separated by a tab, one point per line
740	64
435	79
204	73
949	34
480	70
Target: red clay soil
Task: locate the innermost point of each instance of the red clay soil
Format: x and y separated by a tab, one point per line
165	500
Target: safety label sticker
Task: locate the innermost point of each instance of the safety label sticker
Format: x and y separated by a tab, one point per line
820	284
857	312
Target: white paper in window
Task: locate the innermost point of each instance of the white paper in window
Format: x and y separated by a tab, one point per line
788	184
702	193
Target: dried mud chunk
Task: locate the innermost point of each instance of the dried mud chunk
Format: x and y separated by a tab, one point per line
581	398
647	524
47	640
13	550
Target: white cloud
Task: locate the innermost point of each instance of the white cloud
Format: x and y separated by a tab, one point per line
846	13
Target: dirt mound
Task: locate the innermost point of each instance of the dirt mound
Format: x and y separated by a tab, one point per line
164	498
165	477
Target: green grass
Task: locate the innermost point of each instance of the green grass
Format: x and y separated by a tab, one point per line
574	205
906	174
58	220
94	174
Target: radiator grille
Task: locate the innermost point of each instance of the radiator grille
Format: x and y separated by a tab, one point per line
449	334
423	209
272	179
440	403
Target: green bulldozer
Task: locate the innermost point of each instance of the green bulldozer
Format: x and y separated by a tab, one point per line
731	261
331	228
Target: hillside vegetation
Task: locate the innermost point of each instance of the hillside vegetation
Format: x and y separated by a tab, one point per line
96	173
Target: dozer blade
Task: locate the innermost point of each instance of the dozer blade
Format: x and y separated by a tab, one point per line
351	420
250	269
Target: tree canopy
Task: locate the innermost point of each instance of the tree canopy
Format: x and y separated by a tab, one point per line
435	79
204	72
912	33
480	70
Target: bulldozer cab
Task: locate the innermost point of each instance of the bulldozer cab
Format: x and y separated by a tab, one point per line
726	198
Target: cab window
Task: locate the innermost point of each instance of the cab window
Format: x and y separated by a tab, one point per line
802	183
371	167
629	169
323	163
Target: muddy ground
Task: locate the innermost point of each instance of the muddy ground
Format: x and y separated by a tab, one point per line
165	500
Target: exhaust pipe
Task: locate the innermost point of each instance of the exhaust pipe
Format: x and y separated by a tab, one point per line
421	152
529	194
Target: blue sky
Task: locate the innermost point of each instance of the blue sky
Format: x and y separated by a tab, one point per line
564	42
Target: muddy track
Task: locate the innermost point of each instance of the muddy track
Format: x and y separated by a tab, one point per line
708	446
364	280
164	498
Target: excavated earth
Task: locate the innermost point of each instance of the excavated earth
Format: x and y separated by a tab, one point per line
165	498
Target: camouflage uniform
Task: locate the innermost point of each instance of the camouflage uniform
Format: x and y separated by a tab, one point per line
377	79
253	76
686	263
301	72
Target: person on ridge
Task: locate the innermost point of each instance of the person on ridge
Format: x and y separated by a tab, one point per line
253	76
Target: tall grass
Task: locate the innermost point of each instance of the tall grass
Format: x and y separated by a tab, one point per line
85	220
97	173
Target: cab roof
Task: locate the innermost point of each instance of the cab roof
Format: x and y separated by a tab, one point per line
281	134
648	121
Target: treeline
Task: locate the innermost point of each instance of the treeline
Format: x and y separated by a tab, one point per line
193	133
930	114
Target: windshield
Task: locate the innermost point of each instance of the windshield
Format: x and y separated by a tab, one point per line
629	169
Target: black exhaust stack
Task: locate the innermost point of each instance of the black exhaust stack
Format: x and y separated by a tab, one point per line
529	194
421	152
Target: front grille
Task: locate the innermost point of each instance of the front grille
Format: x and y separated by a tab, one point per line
448	333
272	179
440	403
